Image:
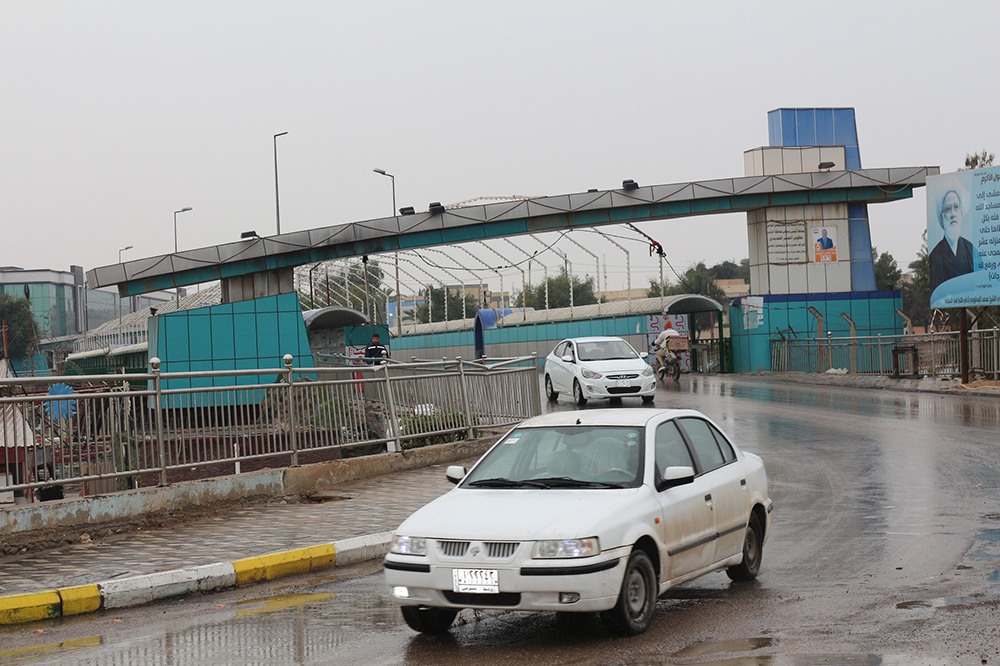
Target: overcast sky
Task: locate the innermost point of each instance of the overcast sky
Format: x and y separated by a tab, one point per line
114	114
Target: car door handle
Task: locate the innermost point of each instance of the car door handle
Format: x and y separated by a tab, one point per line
708	498
743	482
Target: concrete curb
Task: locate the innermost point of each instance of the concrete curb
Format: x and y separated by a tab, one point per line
146	588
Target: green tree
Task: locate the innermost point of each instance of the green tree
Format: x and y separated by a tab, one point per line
699	279
917	288
979	160
584	292
730	270
887	272
436	308
21	327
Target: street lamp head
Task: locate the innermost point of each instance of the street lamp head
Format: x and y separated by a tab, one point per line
127	247
183	210
381	171
282	134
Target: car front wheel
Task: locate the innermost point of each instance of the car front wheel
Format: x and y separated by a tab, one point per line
753	545
550	390
429	620
578	395
633	613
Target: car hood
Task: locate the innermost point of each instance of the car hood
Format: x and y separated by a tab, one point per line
616	365
518	515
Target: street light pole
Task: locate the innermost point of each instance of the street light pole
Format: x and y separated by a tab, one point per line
399	297
277	209
177	293
127	247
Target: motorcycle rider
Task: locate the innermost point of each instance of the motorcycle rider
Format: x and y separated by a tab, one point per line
662	345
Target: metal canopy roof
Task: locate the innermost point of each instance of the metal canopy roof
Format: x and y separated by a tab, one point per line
689	303
510	218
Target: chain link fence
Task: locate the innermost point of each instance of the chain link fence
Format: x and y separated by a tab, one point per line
931	354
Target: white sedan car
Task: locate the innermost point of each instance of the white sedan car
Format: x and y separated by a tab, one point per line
599	510
598	368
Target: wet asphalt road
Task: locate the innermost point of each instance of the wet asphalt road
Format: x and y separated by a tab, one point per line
885	549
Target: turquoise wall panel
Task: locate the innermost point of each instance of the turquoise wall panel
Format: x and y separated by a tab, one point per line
243	307
269	304
289	326
175	343
223	340
267	335
245	335
200	336
249	334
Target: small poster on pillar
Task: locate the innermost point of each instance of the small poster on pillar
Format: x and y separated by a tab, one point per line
824	244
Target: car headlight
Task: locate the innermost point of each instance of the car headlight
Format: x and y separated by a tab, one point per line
407	545
563	548
648	372
589	374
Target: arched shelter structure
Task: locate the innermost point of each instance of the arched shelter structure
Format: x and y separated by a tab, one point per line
325	327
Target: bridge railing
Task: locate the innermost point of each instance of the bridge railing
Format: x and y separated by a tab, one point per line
107	433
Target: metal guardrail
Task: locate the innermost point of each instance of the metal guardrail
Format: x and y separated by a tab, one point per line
934	354
116	432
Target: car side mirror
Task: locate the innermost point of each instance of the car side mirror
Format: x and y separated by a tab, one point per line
568	358
643	354
455	473
675	476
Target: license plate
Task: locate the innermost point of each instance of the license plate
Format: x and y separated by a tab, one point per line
476	581
624	383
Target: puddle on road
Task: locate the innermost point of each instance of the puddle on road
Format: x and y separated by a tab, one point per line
736	645
283	601
692	654
945	602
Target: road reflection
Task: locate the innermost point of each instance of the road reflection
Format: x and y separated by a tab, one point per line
300	628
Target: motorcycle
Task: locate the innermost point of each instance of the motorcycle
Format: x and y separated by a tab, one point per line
670	368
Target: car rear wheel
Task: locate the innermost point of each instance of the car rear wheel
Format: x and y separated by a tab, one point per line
429	620
633	613
550	391
578	395
753	545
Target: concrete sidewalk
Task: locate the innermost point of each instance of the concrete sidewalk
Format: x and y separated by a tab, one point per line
246	546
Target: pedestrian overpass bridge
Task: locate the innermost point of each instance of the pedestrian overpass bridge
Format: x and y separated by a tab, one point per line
233	263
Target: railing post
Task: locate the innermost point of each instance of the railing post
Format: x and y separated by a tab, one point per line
465	397
161	457
996	353
396	445
533	387
292	440
933	357
880	370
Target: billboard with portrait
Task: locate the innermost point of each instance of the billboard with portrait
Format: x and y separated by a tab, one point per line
824	244
963	238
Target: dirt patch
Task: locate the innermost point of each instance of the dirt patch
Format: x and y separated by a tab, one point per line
46	539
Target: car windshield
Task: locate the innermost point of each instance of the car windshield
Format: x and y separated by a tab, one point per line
605	350
563	457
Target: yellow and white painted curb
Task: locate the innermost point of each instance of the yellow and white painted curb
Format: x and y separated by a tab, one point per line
146	588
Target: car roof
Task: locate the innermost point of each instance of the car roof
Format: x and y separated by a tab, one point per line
597	338
628	416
